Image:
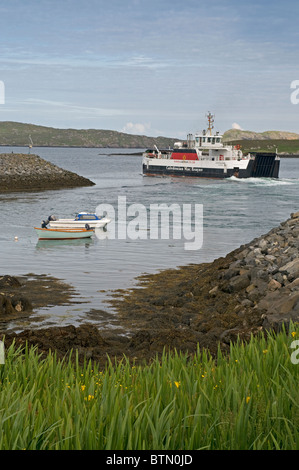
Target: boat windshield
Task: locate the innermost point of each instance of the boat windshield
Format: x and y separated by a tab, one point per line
86	217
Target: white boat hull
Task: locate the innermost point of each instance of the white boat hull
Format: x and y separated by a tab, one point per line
69	223
62	234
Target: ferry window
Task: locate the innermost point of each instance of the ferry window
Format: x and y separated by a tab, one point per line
203	139
209	139
213	140
218	139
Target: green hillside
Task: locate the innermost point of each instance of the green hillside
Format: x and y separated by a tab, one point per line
268	141
17	134
282	146
237	134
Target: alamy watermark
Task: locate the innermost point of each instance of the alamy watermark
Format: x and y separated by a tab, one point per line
2	92
295	354
2	353
158	221
295	94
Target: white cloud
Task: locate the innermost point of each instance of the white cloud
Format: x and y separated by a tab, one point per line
82	109
236	126
135	128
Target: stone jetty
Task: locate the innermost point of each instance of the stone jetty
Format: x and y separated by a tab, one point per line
266	274
253	289
21	172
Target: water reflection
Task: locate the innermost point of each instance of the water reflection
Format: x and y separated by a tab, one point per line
53	244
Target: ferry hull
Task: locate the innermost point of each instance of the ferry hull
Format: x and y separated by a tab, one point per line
263	165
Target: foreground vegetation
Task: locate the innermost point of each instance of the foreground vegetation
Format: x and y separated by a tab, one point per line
248	400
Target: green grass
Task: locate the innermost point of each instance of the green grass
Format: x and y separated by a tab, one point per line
248	400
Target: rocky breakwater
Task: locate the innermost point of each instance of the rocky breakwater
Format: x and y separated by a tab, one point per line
21	172
266	272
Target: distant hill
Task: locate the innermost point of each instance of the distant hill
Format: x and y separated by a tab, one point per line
269	141
17	134
236	134
282	146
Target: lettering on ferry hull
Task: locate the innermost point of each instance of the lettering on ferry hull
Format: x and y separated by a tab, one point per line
175	168
183	168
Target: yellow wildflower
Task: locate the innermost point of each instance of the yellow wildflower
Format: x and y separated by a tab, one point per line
247	399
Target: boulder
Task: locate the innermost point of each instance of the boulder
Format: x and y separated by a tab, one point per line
291	269
237	283
273	285
9	281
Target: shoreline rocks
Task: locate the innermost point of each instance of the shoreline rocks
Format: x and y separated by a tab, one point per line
271	264
21	297
12	302
21	172
253	289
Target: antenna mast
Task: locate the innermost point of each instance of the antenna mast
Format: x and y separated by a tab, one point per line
211	122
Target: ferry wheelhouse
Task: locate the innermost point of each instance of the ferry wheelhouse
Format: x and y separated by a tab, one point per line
204	155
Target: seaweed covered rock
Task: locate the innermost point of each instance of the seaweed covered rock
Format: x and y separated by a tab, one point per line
12	300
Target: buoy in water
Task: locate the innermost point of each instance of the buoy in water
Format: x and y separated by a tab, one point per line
16	239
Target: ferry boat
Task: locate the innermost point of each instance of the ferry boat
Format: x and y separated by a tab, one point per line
204	155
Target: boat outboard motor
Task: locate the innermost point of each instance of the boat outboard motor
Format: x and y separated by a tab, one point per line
87	227
51	217
44	224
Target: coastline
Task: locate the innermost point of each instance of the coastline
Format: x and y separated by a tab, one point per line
253	289
280	155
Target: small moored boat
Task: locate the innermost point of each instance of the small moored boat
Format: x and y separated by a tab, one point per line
63	234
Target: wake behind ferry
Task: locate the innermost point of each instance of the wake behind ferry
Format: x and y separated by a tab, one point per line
205	156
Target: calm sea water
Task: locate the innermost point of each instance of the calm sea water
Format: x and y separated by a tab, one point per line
235	212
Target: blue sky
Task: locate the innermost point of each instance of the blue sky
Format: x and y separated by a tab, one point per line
152	67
